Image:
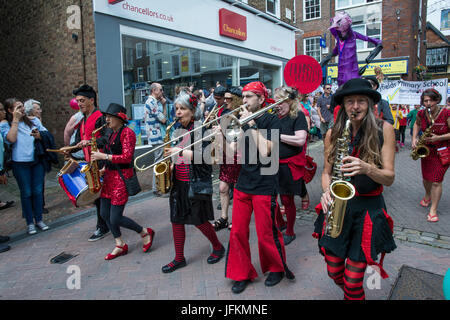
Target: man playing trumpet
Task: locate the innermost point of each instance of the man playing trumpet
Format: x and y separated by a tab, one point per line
256	191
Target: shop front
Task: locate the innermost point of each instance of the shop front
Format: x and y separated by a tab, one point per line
196	43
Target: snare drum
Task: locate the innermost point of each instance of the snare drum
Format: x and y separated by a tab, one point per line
74	184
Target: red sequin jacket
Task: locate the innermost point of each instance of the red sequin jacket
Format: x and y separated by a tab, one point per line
122	151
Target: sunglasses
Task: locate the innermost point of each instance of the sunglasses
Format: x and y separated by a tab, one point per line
228	98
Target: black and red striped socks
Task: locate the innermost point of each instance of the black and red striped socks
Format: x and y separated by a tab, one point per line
353	280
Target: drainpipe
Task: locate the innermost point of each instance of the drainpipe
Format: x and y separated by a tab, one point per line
83	56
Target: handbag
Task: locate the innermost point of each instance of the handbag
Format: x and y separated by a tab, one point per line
444	155
310	169
132	184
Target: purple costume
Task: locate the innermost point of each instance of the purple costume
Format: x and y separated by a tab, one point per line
348	59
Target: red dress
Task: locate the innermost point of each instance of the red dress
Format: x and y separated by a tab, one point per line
432	169
113	185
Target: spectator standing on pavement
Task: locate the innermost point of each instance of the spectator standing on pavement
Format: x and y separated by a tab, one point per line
315	121
403	123
324	110
3	180
21	132
412	118
7	204
33	109
118	156
155	123
397	116
367	228
433	171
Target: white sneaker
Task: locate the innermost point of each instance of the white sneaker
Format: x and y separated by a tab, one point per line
31	229
42	225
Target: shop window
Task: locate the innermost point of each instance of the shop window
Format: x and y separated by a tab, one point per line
173	66
311	9
312	47
437	57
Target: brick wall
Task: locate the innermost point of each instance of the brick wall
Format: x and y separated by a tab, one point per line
41	60
316	27
400	36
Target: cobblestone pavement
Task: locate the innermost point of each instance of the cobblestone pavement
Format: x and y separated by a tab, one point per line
26	271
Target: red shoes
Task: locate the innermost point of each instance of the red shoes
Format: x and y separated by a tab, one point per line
124	251
425	203
151	233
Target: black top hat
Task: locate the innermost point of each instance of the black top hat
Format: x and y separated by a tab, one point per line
356	86
374	79
118	111
220	91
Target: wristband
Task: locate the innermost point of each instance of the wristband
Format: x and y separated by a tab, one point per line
255	127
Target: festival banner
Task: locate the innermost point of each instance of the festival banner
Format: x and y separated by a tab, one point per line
409	92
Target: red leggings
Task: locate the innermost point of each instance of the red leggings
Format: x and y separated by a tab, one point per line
179	237
349	276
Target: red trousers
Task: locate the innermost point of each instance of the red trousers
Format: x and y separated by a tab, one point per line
272	255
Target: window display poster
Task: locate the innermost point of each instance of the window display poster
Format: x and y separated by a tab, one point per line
138	111
135	125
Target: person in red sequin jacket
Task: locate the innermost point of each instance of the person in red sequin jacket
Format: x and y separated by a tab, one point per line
118	155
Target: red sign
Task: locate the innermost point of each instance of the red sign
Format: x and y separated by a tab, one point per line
303	73
114	1
232	25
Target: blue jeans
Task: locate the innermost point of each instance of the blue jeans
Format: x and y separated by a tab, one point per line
30	178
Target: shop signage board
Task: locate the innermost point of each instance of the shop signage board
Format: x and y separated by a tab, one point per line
201	18
232	25
393	67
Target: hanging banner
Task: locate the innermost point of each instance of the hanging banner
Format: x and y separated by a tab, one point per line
409	92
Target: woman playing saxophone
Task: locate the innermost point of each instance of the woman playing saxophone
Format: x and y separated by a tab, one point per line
368	164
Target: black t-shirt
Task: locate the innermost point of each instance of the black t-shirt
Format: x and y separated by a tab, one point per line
253	177
288	127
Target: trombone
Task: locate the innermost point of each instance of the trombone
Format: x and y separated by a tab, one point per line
205	124
227	122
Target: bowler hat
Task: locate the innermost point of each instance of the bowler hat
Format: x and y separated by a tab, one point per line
356	86
118	111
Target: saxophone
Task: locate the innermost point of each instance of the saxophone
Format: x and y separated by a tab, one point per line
421	150
341	189
91	169
162	170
